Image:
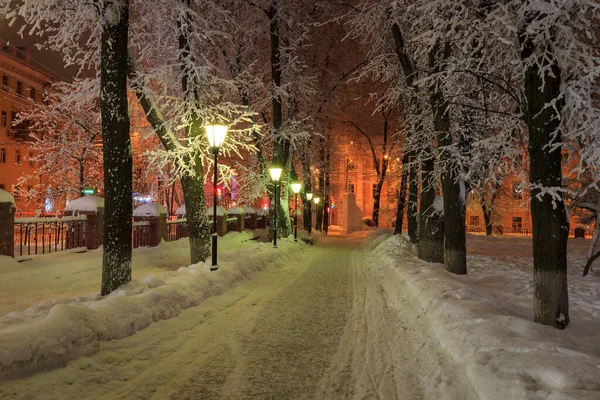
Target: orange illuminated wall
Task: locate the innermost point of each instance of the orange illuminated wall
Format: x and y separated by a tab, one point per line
20	84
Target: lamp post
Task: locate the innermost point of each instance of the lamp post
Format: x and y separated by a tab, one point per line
317	200
296	189
216	137
275	173
309	198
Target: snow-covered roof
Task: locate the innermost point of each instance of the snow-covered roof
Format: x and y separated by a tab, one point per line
262	212
6	197
235	211
85	203
149	210
181	210
250	210
220	211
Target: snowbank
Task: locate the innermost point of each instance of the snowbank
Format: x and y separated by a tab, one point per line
6	197
235	211
220	211
488	328
249	210
72	328
180	210
149	210
86	203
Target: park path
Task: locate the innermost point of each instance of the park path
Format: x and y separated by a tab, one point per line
322	327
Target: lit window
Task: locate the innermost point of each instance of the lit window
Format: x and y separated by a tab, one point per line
517	222
4	120
517	191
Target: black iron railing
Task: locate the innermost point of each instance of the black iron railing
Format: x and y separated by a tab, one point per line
141	233
39	235
177	229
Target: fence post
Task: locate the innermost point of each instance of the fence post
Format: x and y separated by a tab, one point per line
156	215
7	224
93	208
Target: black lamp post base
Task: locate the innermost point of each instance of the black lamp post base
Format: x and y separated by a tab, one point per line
214	267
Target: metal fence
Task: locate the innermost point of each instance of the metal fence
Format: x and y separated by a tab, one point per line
36	236
503	230
141	233
177	229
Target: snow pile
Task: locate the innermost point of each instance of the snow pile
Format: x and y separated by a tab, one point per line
86	203
220	211
181	210
6	197
72	328
235	211
249	210
484	320
150	210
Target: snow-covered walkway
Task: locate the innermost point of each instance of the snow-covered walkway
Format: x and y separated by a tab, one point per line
319	327
353	317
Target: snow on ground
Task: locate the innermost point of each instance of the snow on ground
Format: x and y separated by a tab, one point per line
484	319
61	328
334	320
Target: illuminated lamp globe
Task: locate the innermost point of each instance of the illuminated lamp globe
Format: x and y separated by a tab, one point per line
317	200
296	187
309	196
275	173
216	134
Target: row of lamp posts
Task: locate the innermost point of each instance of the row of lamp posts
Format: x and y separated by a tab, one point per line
216	136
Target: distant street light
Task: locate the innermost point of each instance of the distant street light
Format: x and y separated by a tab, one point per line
216	137
296	189
317	200
309	198
275	173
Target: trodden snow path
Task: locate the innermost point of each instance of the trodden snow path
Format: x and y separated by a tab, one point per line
318	328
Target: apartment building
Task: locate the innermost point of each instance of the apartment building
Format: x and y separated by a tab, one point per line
22	83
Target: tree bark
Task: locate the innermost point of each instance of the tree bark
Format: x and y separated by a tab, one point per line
118	163
549	216
412	214
431	225
455	243
402	196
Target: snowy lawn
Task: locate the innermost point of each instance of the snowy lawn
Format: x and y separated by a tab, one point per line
484	320
55	331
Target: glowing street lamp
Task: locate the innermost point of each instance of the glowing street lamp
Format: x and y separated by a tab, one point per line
275	173
216	137
296	189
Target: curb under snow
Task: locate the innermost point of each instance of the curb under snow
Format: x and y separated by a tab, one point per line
505	356
77	329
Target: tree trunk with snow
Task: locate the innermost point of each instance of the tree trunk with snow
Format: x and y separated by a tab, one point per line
402	196
548	213
412	214
431	229
455	244
118	163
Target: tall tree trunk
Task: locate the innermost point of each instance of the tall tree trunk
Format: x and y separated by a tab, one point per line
118	163
487	218
431	225
455	242
402	195
549	215
412	214
377	200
